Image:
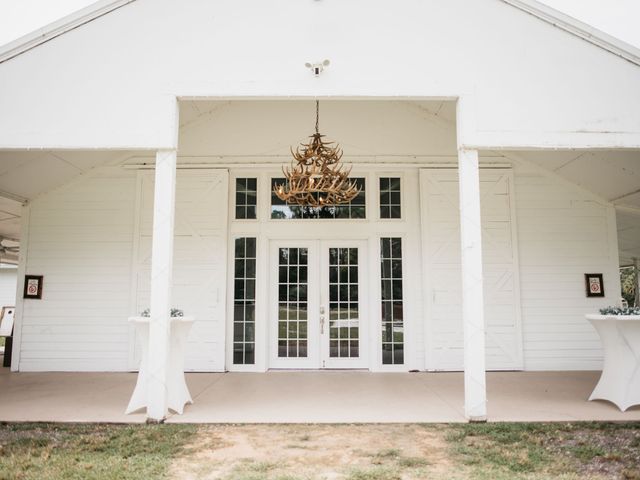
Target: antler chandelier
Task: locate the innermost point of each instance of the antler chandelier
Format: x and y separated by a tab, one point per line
316	177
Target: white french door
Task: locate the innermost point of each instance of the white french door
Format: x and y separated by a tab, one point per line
317	312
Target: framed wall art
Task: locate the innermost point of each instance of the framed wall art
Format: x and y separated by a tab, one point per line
33	286
594	284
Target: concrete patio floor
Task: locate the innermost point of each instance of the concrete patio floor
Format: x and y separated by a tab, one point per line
309	397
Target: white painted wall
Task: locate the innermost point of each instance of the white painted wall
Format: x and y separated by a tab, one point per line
563	232
80	238
91	241
557	233
108	89
8	282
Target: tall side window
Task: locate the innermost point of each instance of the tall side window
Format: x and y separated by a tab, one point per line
390	198
244	301
392	304
246	198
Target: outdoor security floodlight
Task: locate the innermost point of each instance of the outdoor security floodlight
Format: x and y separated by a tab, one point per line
317	68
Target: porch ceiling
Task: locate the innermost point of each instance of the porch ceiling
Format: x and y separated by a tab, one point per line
613	175
26	174
9	218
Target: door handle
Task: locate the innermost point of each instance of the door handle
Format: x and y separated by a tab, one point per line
321	310
321	324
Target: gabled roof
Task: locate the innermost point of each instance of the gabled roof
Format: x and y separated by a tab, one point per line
579	29
533	7
59	27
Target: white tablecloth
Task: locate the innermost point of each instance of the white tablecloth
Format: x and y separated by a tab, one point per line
177	392
620	379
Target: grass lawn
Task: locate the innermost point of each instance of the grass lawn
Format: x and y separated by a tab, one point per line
299	452
89	451
538	450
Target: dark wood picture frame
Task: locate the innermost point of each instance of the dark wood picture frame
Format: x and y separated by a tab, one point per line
594	284
29	282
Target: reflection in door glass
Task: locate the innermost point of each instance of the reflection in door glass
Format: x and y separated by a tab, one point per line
355	209
344	333
292	302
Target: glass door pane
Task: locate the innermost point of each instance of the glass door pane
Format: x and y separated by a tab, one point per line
292	302
344	310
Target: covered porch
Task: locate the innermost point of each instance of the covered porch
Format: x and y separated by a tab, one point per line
311	397
547	238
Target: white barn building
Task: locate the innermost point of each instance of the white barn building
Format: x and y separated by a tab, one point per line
497	144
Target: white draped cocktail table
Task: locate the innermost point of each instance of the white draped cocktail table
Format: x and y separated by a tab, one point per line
177	392
620	379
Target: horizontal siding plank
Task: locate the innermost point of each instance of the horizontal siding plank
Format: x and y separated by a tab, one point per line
73	365
73	350
40	336
81	329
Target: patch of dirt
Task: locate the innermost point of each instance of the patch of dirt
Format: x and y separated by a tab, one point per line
314	452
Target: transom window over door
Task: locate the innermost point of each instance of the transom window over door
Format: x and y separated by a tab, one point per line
356	209
390	197
246	198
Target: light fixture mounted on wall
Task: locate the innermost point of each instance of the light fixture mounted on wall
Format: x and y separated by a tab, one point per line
317	68
316	178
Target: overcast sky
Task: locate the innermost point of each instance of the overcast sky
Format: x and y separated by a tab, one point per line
620	18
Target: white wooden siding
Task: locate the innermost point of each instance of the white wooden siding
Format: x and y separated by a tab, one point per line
80	240
441	235
564	233
200	252
92	248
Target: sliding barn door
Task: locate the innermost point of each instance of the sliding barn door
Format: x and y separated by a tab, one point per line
441	243
200	252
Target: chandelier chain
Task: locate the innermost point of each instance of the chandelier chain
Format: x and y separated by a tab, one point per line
316	177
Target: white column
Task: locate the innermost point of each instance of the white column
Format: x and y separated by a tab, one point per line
636	264
475	391
22	270
161	280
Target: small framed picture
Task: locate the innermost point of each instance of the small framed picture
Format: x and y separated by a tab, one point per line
594	284
33	286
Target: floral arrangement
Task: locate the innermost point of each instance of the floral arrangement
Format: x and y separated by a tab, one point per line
175	312
620	311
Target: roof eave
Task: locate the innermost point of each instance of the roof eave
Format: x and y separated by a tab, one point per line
65	24
578	28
